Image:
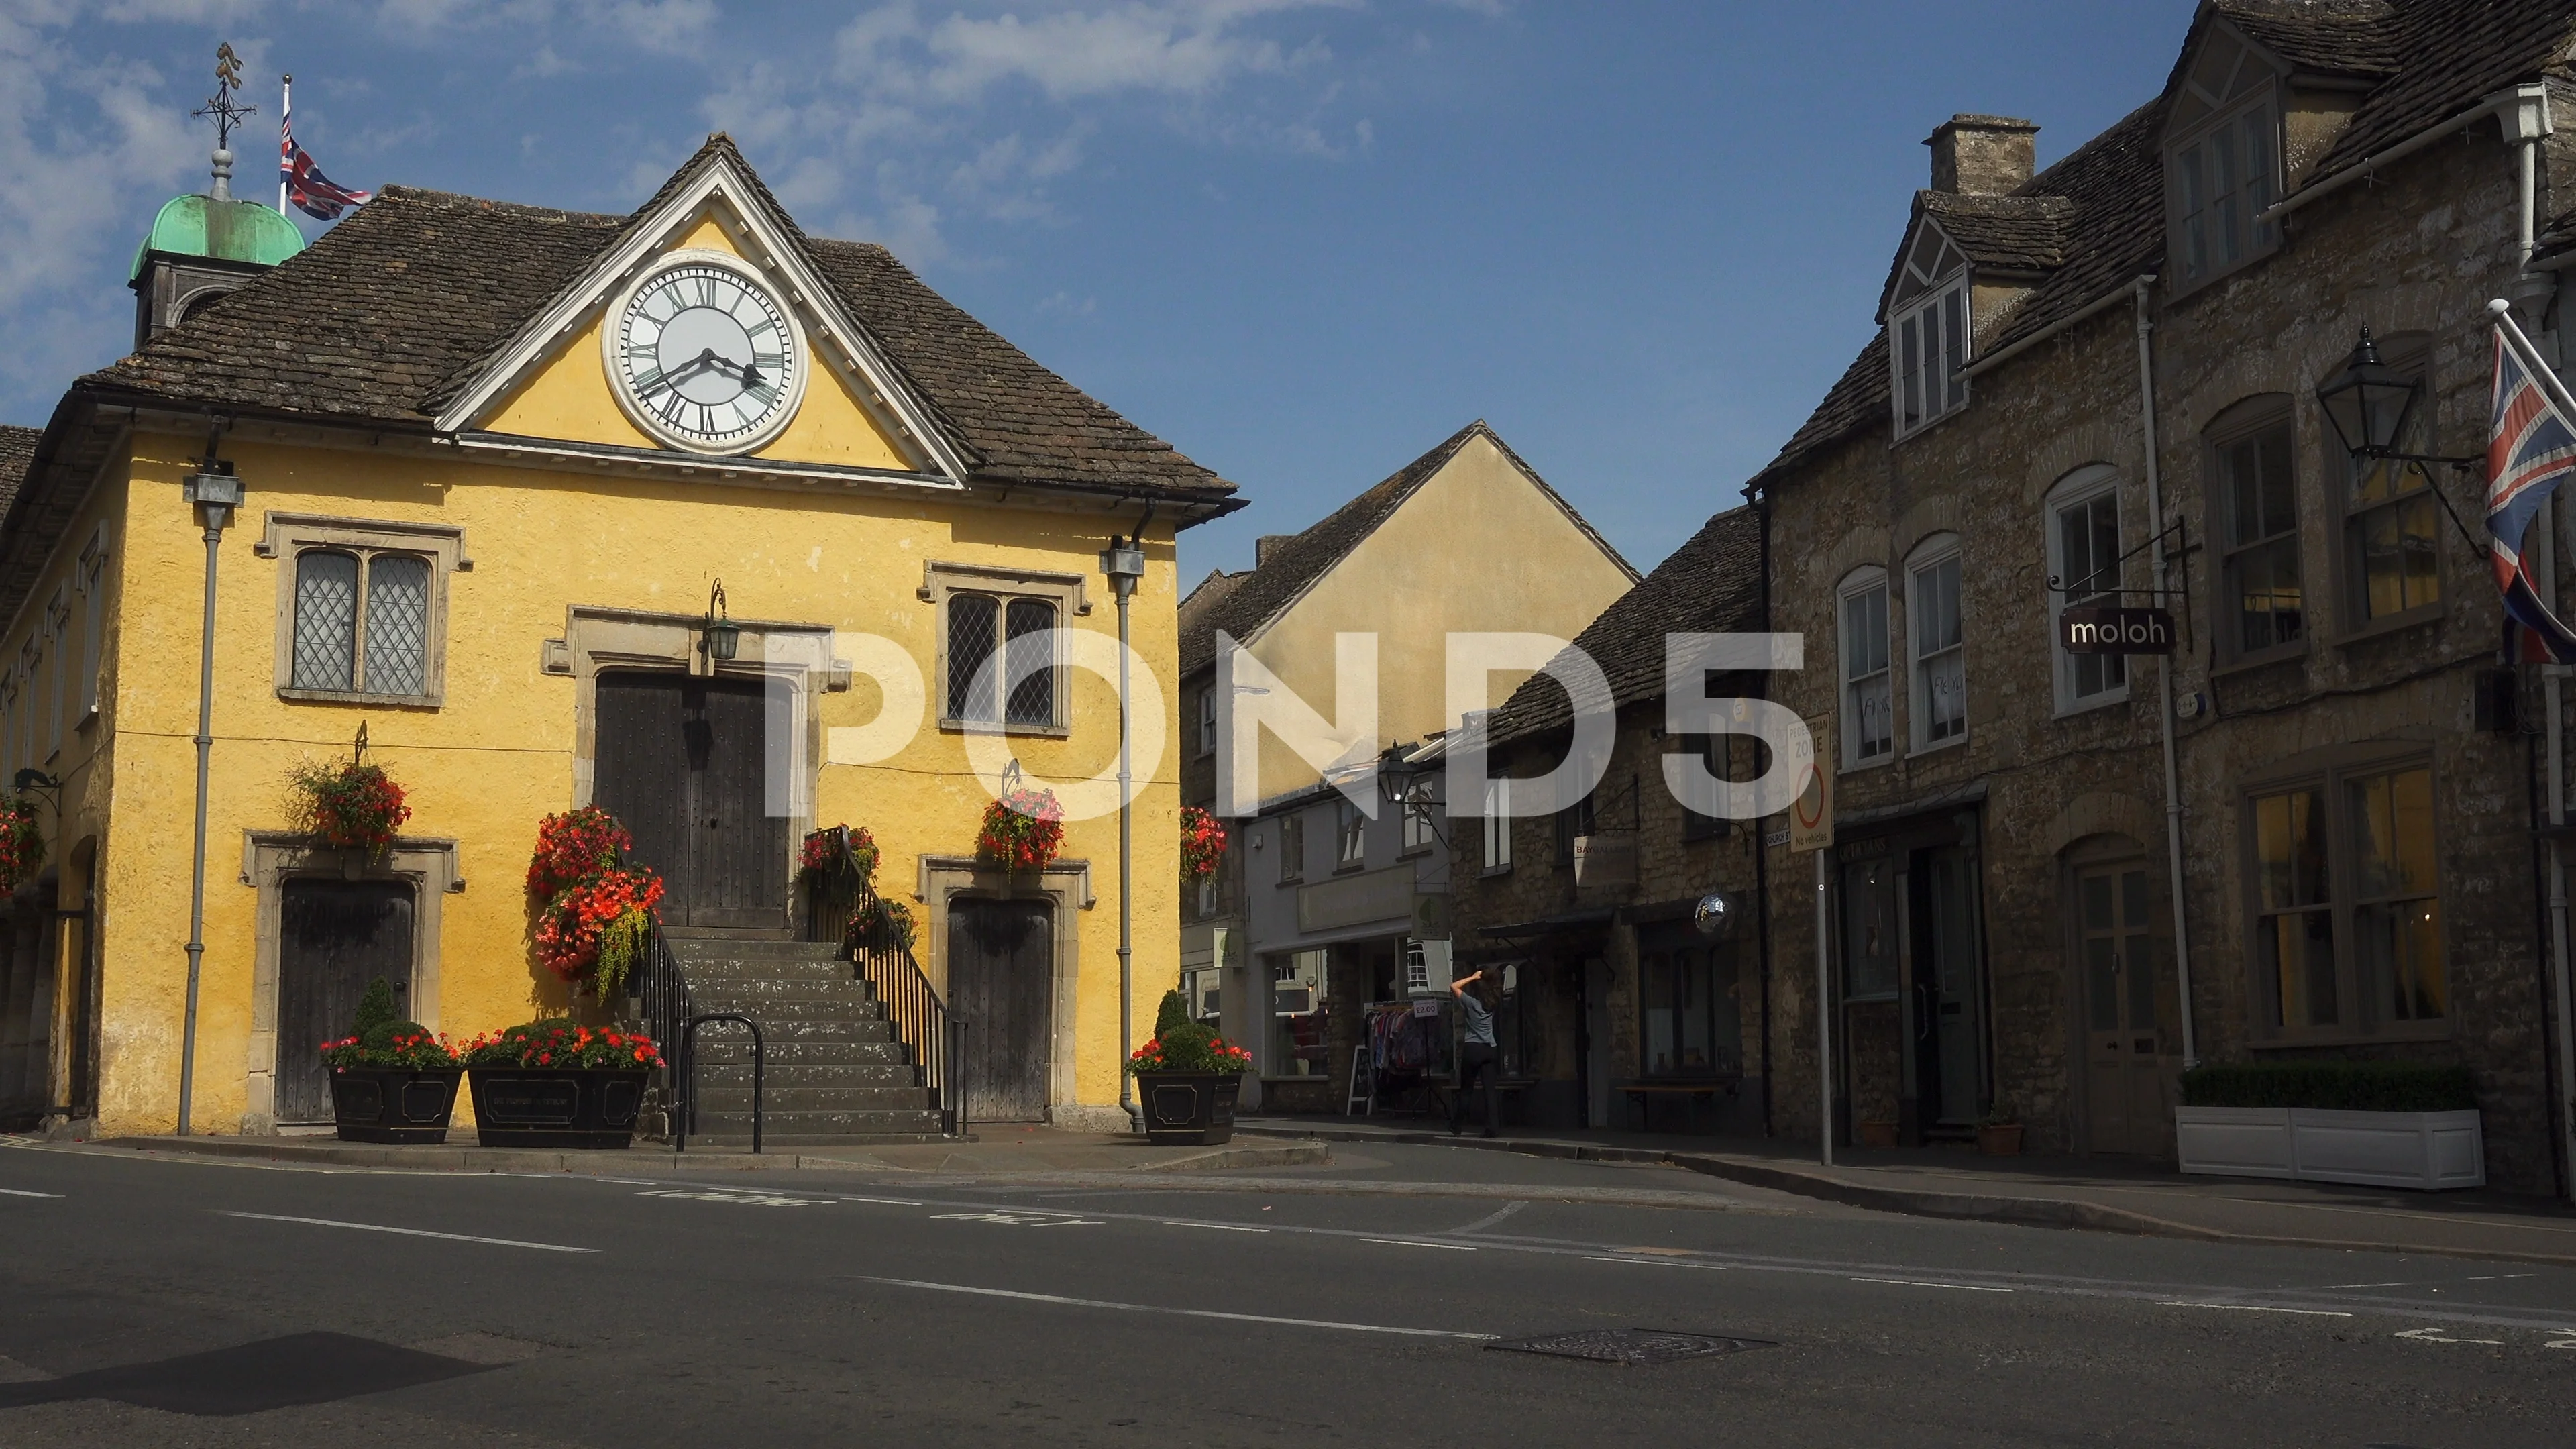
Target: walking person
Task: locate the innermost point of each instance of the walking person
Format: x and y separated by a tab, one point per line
1477	1056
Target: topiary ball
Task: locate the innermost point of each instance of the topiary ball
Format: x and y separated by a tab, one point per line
1175	1011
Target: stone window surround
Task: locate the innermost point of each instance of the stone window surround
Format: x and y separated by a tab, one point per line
270	858
2080	486
2239	422
599	639
941	581
2328	768
1860	581
945	878
443	545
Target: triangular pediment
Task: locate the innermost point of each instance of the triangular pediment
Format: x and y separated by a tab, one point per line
1928	259
2220	66
706	330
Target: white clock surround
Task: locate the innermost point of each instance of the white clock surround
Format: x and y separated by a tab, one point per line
621	314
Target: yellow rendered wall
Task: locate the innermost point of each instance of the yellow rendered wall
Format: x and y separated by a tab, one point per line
499	754
1477	548
568	397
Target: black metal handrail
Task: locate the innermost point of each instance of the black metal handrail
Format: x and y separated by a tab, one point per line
660	993
687	1076
842	905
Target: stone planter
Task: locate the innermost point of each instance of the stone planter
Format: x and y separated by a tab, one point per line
2426	1151
1999	1139
1188	1109
393	1104
556	1107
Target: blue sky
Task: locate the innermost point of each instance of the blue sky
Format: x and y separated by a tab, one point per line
1304	240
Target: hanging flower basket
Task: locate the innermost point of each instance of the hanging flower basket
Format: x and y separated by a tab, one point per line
22	845
825	851
881	924
1202	844
595	912
349	804
1022	830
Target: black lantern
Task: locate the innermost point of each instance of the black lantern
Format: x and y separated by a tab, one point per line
1124	562
723	637
2368	404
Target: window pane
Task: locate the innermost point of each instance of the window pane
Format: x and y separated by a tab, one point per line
1292	847
2399	556
1910	357
2298	956
1031	662
2290	848
2279	511
2257	129
2195	231
2225	221
2393	815
1873	719
1954	347
397	625
2269	607
326	621
1936	607
974	625
2401	958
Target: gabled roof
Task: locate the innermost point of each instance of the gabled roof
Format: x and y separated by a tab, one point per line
17	450
1710	585
2429	59
408	304
2020	235
1254	599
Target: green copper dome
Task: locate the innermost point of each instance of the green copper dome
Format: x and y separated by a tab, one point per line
238	231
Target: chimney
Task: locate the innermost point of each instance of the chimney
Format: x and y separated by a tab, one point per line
1982	155
1268	544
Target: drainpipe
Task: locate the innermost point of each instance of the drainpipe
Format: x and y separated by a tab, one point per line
1761	502
2141	288
215	493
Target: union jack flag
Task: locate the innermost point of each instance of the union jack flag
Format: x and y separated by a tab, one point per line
301	182
2530	451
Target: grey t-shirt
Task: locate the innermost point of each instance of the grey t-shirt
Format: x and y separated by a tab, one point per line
1477	1027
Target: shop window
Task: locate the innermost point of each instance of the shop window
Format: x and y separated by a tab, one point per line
1868	710
1690	1026
2347	906
1298	1015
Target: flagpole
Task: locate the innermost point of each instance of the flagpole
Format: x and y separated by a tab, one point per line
285	130
2502	311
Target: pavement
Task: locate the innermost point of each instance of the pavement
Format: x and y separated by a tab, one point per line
158	1298
2055	1192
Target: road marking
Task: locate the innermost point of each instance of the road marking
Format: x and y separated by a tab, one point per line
2434	1335
1410	1243
1017	1219
883	1201
2256	1308
406	1232
22	1192
1661	1263
1489	1219
1921	1283
747	1198
1179	1312
1220	1227
630	1181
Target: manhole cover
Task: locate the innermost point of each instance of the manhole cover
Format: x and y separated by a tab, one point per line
1629	1345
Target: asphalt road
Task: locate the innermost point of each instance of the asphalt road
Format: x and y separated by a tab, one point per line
148	1302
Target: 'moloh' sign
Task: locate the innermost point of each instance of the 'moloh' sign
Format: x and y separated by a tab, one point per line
2116	631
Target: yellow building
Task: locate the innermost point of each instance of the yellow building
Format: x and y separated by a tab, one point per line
494	460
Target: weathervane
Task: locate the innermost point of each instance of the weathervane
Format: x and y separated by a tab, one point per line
226	113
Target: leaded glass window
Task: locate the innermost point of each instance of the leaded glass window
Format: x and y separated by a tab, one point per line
397	654
974	626
326	620
361	623
1030	653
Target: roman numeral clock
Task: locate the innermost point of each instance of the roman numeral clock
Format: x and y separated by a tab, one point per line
703	356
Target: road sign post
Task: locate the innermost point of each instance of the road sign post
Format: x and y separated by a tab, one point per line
1811	828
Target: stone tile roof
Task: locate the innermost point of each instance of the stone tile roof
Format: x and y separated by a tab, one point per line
17	450
2019	233
1251	600
2433	58
1711	584
400	306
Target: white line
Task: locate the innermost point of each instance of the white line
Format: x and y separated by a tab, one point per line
1661	1263
1220	1227
22	1192
406	1232
1181	1312
1410	1243
884	1201
2258	1308
1919	1283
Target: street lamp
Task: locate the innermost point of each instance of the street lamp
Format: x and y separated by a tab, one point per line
724	637
213	493
1123	562
2369	407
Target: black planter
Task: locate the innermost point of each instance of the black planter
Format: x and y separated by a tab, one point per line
1188	1109
393	1104
557	1107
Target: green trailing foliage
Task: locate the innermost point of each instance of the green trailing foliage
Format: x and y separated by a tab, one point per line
375	1008
1174	1012
2331	1086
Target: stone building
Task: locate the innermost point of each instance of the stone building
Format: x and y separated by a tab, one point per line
2309	831
1325	902
1614	1007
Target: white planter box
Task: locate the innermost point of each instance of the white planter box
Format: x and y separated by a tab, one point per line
2427	1151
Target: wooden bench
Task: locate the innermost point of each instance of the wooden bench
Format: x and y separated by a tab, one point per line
1642	1090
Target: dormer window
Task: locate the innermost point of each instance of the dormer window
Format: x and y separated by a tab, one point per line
2222	162
1927	332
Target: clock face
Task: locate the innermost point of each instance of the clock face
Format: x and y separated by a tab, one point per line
706	357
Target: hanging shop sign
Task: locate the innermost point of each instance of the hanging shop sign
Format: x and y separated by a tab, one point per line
2116	631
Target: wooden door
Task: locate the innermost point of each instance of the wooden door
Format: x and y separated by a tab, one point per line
1952	1021
2129	1014
1001	979
333	937
682	763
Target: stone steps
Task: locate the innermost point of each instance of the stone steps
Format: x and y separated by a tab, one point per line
787	1101
834	1072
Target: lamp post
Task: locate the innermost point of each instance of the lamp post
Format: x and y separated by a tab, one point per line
1124	564
214	493
724	637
